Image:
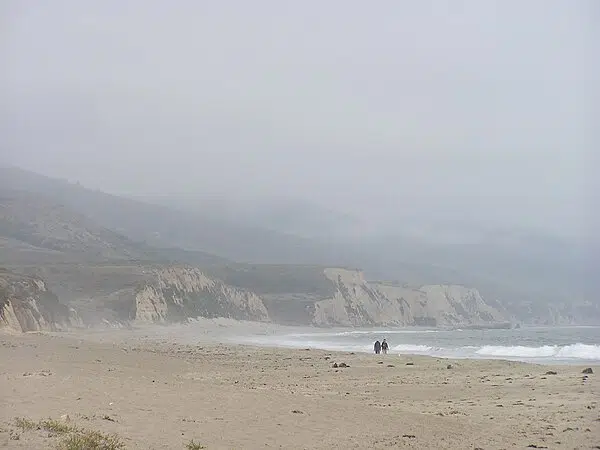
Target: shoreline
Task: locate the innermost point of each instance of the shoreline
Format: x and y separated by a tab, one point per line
265	335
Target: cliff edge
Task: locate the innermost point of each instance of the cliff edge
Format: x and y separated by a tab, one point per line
177	293
27	305
351	300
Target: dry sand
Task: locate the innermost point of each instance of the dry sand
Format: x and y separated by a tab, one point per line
160	395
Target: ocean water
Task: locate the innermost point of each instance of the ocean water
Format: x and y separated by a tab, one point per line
544	345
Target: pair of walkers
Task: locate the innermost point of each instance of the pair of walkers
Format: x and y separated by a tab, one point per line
381	347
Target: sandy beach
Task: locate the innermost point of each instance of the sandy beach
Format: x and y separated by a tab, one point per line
154	393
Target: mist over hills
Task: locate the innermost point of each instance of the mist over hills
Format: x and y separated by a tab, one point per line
45	221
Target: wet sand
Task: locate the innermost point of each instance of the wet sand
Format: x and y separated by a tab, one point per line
157	394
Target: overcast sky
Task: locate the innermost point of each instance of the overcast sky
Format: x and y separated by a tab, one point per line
480	107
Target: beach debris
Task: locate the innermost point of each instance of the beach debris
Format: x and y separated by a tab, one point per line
449	366
340	365
550	372
297	411
43	373
409	436
391	365
410	363
587	370
535	446
107	417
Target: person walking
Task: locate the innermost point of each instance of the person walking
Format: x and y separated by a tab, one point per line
377	347
384	347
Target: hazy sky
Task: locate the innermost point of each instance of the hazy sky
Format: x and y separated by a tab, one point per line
480	107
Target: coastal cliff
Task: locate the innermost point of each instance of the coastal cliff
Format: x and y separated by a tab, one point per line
343	297
178	293
174	293
357	302
27	305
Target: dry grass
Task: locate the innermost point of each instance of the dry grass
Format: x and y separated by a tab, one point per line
193	445
26	424
90	440
56	426
72	437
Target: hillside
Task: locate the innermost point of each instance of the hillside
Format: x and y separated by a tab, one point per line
32	222
165	227
89	245
35	229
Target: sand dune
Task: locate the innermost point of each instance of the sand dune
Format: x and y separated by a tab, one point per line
157	394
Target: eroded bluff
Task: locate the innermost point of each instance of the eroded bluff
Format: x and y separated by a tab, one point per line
178	293
353	301
27	305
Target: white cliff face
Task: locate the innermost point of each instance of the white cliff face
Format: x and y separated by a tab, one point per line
436	305
26	305
19	320
357	302
150	305
179	293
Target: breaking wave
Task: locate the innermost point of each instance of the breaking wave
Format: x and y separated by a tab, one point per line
544	353
566	348
574	351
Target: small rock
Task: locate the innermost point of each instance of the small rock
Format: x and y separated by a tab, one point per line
410	364
335	365
343	365
379	362
390	365
409	436
449	366
297	411
551	372
587	370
